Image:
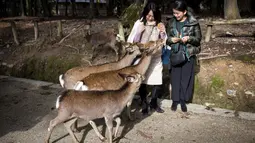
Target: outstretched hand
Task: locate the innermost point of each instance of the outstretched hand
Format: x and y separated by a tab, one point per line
161	27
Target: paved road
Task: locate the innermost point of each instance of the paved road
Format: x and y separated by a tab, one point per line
27	106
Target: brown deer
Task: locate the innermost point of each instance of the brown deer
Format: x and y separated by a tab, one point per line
70	78
90	105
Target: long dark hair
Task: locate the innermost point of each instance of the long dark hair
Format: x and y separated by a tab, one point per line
156	12
180	5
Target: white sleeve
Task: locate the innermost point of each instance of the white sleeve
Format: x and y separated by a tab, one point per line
133	32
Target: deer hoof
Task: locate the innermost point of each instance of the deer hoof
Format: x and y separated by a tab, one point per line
115	138
75	130
103	139
131	118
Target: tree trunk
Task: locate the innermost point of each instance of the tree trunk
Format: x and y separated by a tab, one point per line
34	6
45	6
66	4
214	6
29	7
245	6
57	7
109	5
231	10
3	9
22	7
13	9
91	7
73	7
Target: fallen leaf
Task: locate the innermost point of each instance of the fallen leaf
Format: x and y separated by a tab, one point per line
144	134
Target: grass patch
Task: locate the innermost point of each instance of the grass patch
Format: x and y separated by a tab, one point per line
47	69
217	83
215	93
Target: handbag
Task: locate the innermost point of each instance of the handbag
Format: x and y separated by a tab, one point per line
177	57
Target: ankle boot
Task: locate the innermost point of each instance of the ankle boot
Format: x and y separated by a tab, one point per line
174	106
183	106
154	99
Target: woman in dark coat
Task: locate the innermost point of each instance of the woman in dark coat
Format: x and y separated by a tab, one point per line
184	34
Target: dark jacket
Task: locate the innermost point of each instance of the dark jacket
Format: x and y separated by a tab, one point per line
191	29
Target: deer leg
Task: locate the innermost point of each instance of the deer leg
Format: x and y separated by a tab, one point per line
118	121
109	125
94	126
129	110
74	127
53	123
68	125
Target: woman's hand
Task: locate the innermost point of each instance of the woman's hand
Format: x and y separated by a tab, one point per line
185	39
176	40
161	27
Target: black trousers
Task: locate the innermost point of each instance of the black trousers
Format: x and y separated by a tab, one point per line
182	81
155	94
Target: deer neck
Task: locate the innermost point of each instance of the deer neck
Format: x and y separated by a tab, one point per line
127	93
143	64
127	60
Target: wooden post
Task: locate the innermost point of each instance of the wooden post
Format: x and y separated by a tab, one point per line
208	33
14	32
36	30
121	32
60	33
208	30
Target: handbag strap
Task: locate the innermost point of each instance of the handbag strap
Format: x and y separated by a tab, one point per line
150	33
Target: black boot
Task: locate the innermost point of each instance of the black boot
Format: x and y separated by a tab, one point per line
154	99
174	106
183	106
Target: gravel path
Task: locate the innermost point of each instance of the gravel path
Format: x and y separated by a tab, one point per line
27	106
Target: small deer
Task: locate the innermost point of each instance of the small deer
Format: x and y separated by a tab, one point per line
110	80
90	105
107	37
73	75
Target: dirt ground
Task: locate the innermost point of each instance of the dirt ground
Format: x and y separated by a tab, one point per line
28	106
240	40
234	71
